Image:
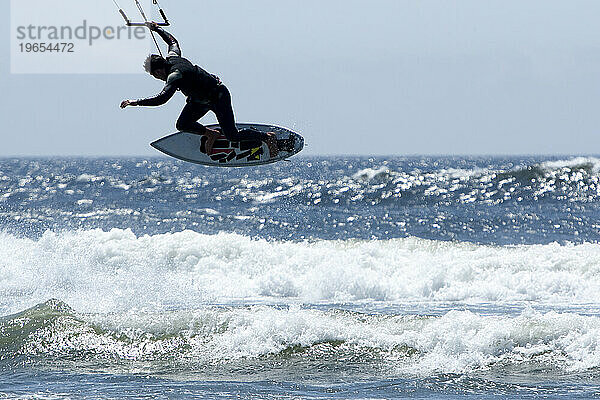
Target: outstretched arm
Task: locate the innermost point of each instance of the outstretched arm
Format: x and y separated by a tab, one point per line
174	49
154	101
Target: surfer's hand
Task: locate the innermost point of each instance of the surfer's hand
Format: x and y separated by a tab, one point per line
126	103
153	26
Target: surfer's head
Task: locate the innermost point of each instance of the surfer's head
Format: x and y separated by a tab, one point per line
156	66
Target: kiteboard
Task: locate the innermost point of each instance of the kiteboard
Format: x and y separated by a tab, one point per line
192	147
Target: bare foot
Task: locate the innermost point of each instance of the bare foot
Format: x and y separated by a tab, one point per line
211	138
272	144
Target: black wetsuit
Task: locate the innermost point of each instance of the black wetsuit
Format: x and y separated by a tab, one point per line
204	92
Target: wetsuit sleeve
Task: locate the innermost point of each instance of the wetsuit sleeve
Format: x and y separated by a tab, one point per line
174	49
161	98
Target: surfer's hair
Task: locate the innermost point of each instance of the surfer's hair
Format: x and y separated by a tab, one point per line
154	62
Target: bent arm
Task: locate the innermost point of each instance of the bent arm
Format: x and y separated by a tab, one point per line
174	49
160	99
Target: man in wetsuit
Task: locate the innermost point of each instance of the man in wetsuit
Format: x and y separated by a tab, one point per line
205	92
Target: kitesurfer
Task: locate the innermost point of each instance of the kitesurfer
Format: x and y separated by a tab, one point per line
204	91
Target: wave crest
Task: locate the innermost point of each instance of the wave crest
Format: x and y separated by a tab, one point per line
185	269
457	342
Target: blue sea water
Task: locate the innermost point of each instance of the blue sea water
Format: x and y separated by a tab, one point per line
319	278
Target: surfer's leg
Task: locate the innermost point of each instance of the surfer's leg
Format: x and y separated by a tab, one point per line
224	112
223	109
188	120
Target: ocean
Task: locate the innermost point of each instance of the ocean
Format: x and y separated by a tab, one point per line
318	278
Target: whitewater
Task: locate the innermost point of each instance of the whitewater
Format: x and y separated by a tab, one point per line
188	268
347	278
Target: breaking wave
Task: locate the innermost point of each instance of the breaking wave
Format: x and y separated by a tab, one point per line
457	342
100	271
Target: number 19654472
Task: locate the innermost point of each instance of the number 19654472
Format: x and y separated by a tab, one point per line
47	47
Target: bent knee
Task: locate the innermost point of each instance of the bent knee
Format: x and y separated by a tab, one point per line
183	125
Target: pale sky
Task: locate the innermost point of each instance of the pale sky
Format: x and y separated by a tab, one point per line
380	77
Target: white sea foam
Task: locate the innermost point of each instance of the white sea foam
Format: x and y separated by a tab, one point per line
591	163
461	173
88	178
372	173
457	342
97	271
